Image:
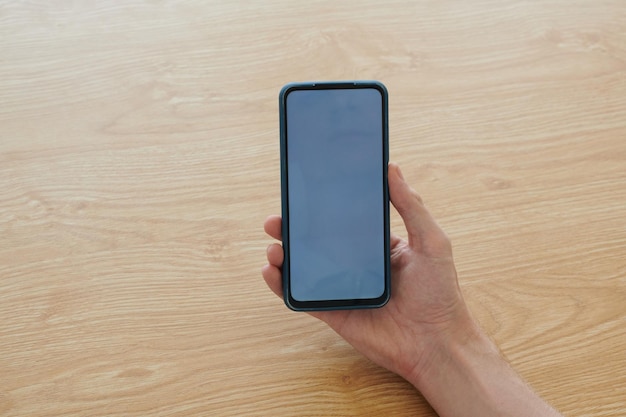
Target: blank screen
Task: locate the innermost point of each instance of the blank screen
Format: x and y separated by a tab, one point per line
335	194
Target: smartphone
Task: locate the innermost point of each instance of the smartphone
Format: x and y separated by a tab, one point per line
334	151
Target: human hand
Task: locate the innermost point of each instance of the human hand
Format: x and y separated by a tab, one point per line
425	333
426	304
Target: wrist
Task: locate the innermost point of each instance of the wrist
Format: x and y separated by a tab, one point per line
465	374
446	345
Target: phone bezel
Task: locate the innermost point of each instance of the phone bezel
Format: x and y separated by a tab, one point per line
291	302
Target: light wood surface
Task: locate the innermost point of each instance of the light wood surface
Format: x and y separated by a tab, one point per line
139	158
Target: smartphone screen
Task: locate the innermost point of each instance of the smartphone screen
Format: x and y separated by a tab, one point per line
334	155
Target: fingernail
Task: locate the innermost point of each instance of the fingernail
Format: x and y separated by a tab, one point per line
400	172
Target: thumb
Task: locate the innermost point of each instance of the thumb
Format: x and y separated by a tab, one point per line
419	223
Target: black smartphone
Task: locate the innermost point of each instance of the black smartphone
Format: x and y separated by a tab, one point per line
335	202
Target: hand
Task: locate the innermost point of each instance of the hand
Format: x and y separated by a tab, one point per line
425	333
426	304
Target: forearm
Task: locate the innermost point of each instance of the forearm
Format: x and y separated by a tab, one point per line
467	376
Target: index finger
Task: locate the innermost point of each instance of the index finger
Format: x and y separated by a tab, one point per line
273	226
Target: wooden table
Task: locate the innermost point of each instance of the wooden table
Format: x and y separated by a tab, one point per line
139	158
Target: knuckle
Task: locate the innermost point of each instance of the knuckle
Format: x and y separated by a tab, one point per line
416	197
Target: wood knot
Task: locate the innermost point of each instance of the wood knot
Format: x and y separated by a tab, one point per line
494	183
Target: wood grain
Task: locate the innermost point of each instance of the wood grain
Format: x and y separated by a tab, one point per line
139	158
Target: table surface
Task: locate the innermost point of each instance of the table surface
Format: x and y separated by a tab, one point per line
139	157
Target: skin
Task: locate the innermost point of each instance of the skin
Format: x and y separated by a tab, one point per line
425	333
